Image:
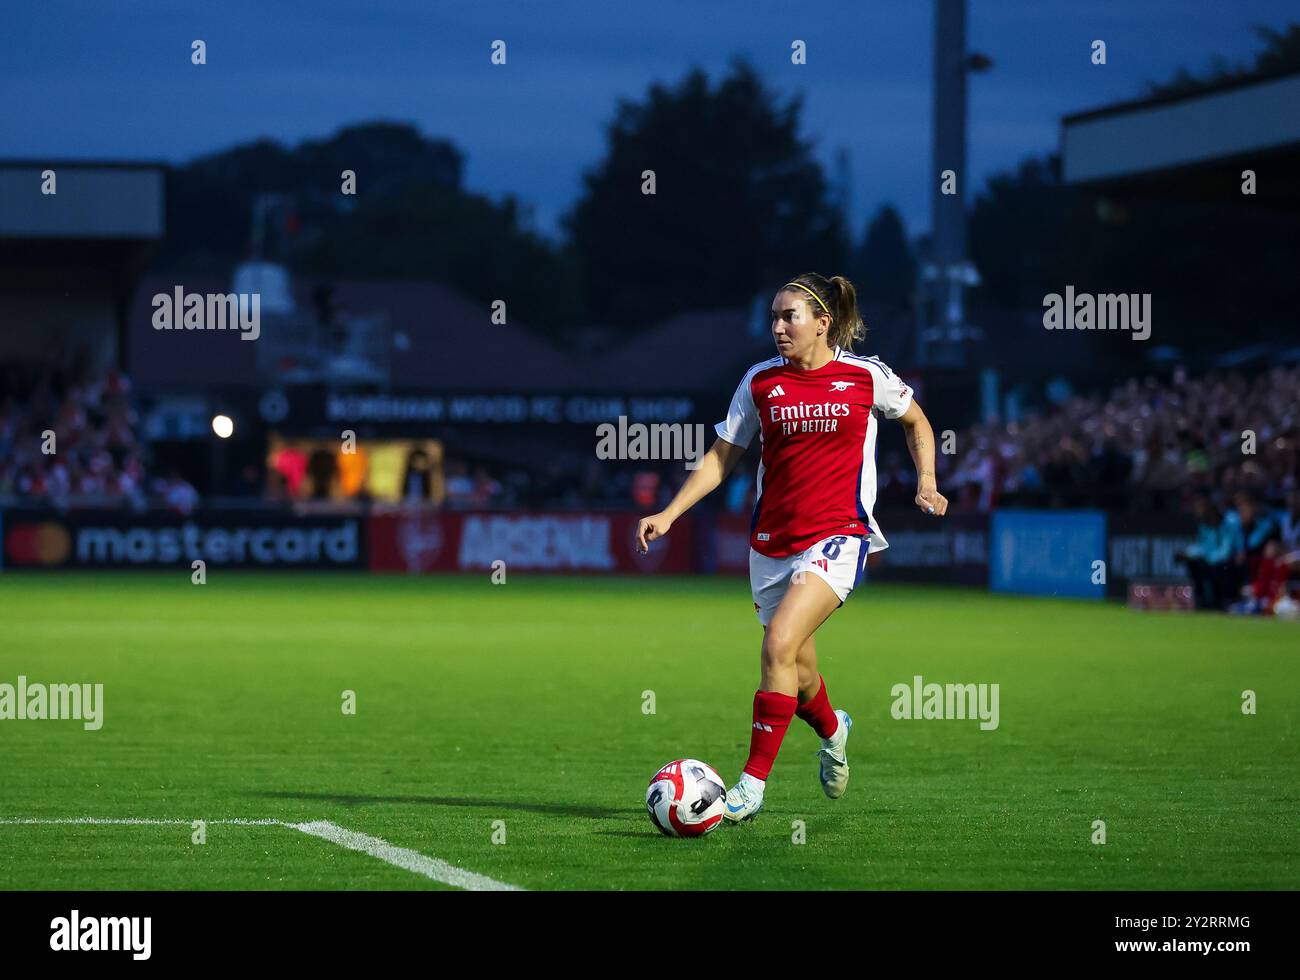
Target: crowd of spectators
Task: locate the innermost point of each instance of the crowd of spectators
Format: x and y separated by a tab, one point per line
472	489
1222	447
1148	445
70	435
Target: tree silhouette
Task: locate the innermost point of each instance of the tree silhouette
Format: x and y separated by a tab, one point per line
1279	53
739	202
410	218
883	267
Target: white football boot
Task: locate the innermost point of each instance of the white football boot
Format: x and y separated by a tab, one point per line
744	799
833	759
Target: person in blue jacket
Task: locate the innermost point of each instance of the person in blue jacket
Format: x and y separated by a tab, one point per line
1216	562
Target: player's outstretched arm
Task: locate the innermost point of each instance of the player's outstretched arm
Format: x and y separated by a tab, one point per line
713	469
920	443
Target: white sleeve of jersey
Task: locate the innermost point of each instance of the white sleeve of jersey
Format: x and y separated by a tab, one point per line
892	396
741	423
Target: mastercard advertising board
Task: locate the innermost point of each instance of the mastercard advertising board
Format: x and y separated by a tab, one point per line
110	539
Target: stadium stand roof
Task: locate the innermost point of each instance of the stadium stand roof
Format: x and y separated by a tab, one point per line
92	200
1192	144
69	260
437	319
696	351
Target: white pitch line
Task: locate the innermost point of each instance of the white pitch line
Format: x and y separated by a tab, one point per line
402	857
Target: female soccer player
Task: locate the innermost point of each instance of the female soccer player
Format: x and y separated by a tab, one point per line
814	407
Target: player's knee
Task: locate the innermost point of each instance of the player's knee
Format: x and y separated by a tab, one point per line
780	646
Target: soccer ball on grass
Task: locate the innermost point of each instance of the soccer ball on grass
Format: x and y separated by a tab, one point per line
686	798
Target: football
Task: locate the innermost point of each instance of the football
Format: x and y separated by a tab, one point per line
686	798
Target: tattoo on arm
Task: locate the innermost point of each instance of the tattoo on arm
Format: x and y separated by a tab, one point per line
919	447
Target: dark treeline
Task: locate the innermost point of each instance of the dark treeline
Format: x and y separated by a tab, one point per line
739	199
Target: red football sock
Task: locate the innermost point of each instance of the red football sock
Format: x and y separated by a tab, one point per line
818	713
772	714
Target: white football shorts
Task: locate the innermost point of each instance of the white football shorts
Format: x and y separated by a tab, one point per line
839	559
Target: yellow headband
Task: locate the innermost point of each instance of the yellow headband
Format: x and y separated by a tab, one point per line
799	285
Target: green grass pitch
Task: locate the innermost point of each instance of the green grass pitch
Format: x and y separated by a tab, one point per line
522	703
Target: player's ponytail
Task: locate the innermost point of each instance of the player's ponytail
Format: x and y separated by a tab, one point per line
846	325
837	297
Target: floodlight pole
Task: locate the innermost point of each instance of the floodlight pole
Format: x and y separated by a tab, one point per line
945	271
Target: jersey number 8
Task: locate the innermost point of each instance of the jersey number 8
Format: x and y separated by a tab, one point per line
832	548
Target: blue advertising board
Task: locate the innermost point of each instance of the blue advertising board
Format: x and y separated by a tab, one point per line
1053	552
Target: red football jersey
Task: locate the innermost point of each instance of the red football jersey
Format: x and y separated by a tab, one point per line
818	431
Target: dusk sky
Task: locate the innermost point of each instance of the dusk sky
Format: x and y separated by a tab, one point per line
91	80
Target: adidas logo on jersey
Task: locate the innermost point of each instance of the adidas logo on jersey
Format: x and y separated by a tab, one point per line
776	392
822	564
